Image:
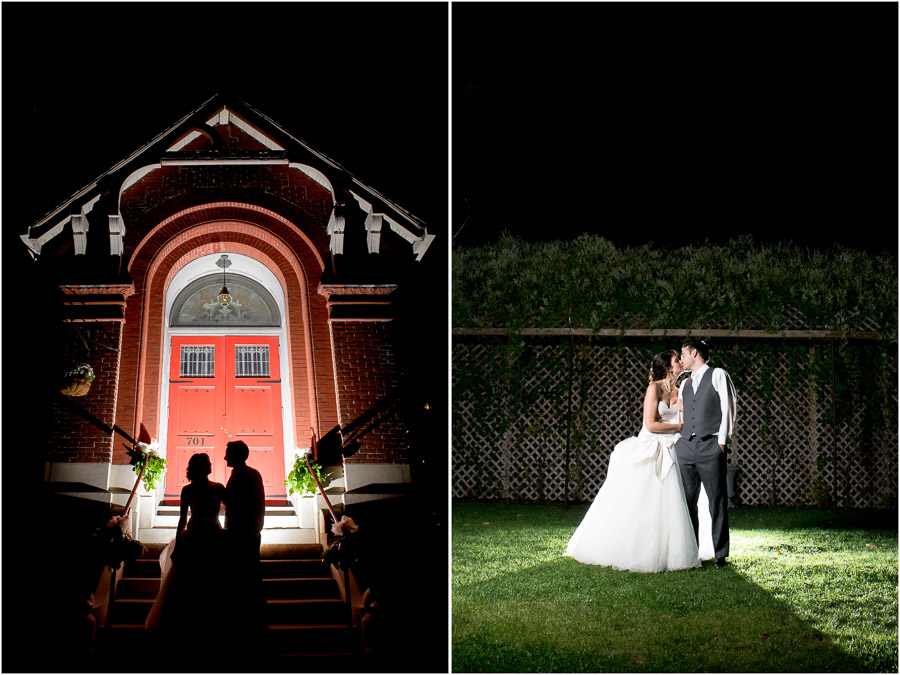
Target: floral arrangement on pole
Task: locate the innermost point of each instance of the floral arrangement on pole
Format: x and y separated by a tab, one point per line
77	381
148	465
301	481
343	551
115	544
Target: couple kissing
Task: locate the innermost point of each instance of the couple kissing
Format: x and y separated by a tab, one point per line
664	504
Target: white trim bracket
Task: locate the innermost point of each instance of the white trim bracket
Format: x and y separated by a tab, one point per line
336	226
116	234
374	222
80	227
419	242
79	230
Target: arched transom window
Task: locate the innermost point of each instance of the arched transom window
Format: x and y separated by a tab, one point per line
250	304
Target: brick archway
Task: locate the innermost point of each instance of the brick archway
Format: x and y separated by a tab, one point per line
238	228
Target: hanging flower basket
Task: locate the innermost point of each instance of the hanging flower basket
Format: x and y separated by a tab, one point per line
77	382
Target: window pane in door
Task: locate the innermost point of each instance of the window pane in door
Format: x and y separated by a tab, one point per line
198	361
251	361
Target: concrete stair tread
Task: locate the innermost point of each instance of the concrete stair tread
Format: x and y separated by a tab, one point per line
128	626
270	501
312	655
310	626
277	535
382	488
300	601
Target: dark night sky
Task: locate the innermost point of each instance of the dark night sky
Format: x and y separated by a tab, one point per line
85	85
674	123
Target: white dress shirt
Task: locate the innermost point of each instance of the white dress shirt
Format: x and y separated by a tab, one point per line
721	382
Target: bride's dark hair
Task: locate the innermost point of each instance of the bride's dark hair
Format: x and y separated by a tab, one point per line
662	365
198	466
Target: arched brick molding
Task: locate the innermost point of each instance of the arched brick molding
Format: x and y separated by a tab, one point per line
169	194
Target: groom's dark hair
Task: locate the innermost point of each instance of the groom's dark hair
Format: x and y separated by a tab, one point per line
239	450
700	345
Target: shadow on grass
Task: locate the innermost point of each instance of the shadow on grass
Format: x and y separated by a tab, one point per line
564	616
519	606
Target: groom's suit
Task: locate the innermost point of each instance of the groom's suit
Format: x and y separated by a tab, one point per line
708	421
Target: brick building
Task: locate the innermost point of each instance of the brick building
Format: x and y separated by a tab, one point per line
227	281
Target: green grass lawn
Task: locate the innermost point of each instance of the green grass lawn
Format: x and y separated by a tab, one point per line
806	591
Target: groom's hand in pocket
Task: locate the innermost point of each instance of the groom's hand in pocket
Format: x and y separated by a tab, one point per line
722	446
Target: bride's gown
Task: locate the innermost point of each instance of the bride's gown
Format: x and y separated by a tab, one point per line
198	577
639	520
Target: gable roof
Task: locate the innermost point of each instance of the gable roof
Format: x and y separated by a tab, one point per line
174	147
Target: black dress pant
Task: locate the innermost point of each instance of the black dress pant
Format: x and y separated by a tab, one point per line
701	461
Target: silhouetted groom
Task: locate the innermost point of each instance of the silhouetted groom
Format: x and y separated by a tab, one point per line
709	411
245	508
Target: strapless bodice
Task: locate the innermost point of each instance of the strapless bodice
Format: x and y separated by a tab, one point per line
666	414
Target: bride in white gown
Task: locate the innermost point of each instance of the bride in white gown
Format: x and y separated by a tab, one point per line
639	520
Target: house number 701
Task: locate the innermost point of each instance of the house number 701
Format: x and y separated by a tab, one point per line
196	441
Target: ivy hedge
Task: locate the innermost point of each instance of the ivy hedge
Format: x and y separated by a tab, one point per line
517	284
590	283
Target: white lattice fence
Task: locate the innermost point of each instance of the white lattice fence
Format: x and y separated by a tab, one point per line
523	457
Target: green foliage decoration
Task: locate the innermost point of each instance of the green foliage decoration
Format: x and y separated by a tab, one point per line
82	371
156	467
301	481
517	284
590	283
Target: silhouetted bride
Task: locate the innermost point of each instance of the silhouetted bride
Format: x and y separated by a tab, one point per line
639	520
193	577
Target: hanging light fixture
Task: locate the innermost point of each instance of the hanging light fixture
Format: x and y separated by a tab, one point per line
224	297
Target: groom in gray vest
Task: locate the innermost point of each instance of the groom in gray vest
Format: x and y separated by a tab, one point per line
709	410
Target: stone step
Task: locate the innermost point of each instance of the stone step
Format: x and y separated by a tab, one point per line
308	588
283	535
138	587
306	611
375	492
289	601
308	552
292	568
130	611
143	568
310	565
270	501
312	638
349	499
275	518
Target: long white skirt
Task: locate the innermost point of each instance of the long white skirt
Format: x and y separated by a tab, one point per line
639	520
165	583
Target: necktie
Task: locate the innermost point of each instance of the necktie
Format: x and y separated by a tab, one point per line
695	380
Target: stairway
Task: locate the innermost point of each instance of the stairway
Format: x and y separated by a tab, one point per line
308	621
281	524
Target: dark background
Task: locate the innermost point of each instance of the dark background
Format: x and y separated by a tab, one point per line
673	123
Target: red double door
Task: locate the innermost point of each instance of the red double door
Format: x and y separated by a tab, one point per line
223	389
